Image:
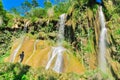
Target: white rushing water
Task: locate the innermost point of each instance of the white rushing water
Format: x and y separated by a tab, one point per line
61	30
19	46
102	43
58	51
59	61
16	50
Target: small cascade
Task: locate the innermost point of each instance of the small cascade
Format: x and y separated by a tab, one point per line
19	46
16	50
58	51
102	43
59	61
35	47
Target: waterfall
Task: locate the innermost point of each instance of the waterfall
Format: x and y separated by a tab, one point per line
16	50
58	51
19	46
102	43
59	61
61	30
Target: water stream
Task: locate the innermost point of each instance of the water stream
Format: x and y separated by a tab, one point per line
35	47
19	46
58	51
102	43
16	50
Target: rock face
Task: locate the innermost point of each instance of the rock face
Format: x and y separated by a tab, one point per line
36	54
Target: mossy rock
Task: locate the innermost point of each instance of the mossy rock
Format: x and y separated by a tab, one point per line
52	35
42	35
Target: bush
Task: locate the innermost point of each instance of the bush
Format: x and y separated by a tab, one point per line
37	12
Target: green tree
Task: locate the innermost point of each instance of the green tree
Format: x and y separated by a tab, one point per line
1	8
3	15
2	11
37	12
47	4
35	3
59	1
14	11
25	7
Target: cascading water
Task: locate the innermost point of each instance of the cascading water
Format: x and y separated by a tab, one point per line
19	46
16	50
59	62
58	51
35	43
61	30
102	44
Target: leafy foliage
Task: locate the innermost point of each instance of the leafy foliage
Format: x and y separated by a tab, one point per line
5	39
35	3
47	4
3	15
14	11
18	71
37	12
2	11
25	7
12	71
